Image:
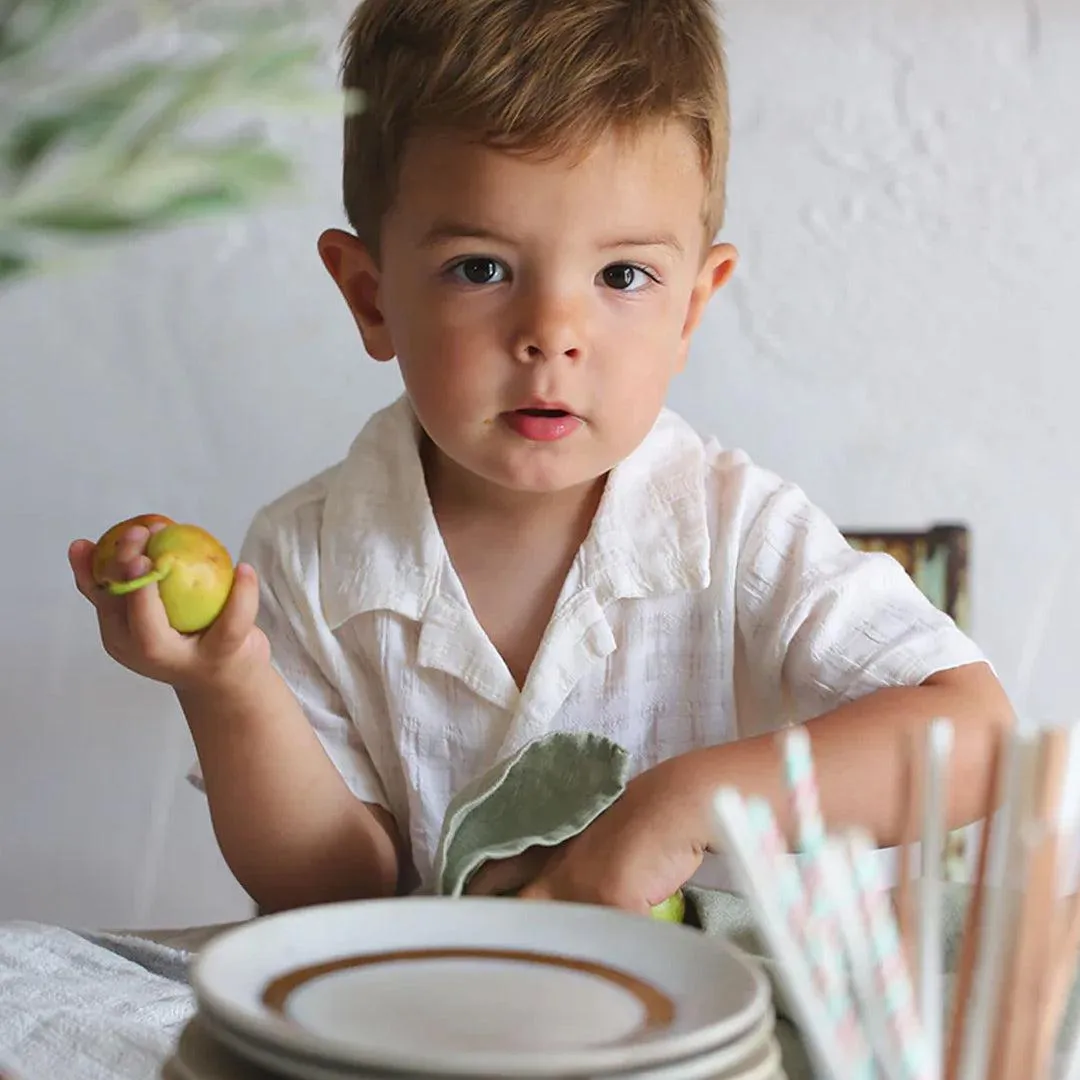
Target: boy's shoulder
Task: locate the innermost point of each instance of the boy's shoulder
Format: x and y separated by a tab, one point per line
359	531
731	483
381	458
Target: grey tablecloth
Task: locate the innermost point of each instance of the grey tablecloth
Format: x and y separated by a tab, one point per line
86	1006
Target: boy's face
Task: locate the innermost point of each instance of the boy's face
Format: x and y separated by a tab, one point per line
538	308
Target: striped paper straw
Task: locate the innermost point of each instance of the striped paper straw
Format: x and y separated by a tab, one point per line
822	949
758	880
893	979
838	871
805	803
803	789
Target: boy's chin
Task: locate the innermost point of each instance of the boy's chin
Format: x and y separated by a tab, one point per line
524	484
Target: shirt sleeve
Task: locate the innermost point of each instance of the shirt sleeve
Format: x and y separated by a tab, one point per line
822	624
306	653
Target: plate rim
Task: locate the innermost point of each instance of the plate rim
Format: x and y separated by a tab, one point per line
600	1059
763	1032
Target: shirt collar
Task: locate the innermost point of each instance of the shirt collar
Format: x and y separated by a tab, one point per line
380	547
651	534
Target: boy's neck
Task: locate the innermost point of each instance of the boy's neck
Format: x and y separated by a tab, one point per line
455	492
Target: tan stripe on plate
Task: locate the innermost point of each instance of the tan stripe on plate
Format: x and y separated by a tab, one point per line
659	1008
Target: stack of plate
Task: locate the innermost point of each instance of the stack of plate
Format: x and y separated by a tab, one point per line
479	987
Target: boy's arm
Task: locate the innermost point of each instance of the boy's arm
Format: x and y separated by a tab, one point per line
859	753
288	826
655	835
298	807
284	768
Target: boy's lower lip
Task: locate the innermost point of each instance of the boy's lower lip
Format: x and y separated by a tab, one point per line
539	427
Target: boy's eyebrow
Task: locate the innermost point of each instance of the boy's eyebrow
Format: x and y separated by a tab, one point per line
668	240
442	231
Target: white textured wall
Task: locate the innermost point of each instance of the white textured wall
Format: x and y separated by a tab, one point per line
901	339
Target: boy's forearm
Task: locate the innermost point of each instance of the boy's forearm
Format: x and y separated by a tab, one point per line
860	755
289	828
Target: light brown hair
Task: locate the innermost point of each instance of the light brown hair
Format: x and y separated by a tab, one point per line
535	76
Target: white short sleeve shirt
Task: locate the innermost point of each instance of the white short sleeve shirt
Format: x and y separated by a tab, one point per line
710	601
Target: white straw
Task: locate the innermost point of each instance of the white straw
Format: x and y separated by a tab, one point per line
939	739
737	833
1071	1058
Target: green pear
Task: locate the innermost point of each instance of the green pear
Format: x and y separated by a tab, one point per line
194	576
673	909
105	548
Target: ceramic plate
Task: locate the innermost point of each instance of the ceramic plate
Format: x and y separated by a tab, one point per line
747	1050
480	986
206	1051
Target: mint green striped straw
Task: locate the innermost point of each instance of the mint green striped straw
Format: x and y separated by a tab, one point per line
823	937
890	966
819	942
759	881
805	802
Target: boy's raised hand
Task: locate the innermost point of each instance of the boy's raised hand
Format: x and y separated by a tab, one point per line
135	630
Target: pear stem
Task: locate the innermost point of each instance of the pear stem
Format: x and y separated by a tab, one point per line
122	588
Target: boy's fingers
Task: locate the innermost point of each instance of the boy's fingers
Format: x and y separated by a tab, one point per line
111	610
231	628
80	559
146	618
129	550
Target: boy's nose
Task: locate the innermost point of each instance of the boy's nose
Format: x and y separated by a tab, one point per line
549	328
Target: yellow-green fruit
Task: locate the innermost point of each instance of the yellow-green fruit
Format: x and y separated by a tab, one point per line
194	574
105	548
673	909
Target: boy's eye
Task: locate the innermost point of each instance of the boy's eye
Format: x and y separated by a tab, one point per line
626	277
479	271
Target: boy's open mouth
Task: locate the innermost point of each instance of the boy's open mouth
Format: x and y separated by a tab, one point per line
544	422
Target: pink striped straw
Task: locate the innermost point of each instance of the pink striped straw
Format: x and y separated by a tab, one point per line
821	949
805	802
890	967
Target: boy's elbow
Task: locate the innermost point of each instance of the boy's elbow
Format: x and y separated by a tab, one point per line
359	859
276	891
973	699
983	718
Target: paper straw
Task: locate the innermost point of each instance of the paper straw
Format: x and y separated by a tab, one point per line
986	985
913	749
939	745
1071	1057
1012	884
1029	982
837	871
1062	973
823	950
803	790
805	802
973	919
759	881
893	983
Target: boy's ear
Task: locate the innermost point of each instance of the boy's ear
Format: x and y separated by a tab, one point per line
357	275
716	270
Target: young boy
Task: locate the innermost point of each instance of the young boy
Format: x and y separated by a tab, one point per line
527	541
